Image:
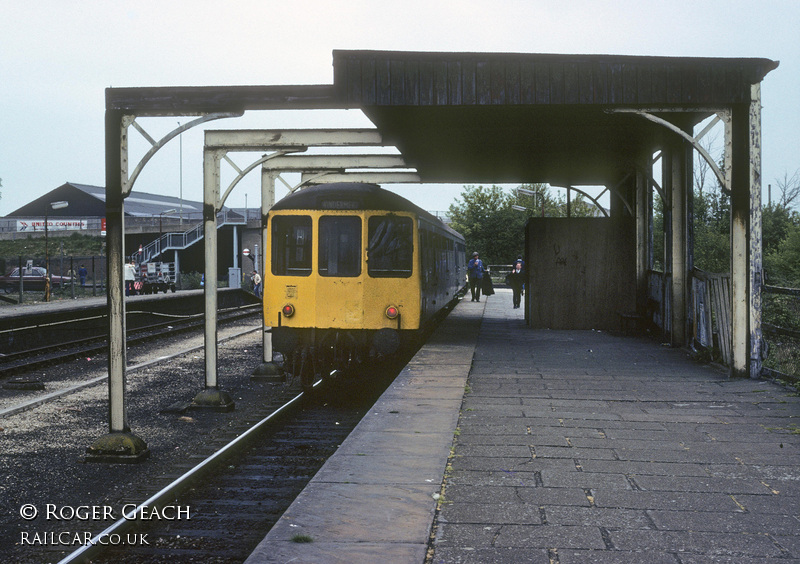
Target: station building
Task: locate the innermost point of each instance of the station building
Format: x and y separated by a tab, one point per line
157	228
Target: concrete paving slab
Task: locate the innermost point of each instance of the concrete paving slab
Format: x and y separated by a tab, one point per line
375	499
626	438
359	513
339	553
567	447
374	469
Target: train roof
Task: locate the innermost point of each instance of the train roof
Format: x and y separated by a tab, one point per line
344	196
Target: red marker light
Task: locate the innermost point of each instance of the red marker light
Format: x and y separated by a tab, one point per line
392	312
288	310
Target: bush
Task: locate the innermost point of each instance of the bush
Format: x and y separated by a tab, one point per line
190	281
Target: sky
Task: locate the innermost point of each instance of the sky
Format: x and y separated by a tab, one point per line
57	58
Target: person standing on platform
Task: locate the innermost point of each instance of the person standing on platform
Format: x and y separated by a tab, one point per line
130	278
516	279
256	278
475	274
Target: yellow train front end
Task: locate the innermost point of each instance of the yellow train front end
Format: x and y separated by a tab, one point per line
340	286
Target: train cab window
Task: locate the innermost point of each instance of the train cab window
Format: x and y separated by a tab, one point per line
339	246
291	245
391	247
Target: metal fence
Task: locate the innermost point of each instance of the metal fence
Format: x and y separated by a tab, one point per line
94	283
781	330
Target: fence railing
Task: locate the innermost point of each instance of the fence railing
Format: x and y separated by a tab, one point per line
498	272
92	282
711	311
781	329
180	241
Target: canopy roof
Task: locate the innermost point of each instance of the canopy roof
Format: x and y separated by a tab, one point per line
497	117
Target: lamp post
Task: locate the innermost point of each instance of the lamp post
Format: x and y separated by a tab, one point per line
55	206
160	229
180	166
161	216
536	196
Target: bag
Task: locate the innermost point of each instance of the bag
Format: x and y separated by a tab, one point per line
486	285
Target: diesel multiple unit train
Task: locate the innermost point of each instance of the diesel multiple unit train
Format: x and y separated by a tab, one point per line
354	271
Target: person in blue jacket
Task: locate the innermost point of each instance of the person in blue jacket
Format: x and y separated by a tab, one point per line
475	275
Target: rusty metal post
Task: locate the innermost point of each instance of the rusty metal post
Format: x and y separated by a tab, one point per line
210	199
739	185
642	241
21	280
678	188
119	445
268	369
756	256
211	397
666	185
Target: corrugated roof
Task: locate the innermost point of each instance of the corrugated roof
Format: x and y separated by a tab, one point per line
144	204
138	204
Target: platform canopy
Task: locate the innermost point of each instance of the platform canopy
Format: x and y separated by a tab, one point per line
499	118
496	117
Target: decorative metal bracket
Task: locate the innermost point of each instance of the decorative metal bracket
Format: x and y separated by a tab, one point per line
721	114
128	120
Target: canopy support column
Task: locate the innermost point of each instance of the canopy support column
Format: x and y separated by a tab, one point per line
268	370
211	397
120	444
679	189
746	252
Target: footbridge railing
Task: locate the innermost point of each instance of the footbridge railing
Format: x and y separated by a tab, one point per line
180	241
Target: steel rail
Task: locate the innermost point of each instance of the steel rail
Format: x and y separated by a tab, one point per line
134	312
97	343
77	387
170	492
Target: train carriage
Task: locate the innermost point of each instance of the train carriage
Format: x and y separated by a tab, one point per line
352	272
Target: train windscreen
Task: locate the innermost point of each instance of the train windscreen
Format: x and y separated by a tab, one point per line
291	245
339	246
390	252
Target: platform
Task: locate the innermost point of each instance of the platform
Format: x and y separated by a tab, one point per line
554	447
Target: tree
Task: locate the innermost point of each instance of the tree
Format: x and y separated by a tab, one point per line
493	228
712	230
783	264
489	224
776	221
789	188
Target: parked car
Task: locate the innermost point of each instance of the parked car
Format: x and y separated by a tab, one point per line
32	280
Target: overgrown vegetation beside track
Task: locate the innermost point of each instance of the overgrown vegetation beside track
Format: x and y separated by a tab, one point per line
781	324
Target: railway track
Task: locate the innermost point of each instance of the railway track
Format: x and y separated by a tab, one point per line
31	359
233	501
232	498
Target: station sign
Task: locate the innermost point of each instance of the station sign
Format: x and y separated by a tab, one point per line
35	225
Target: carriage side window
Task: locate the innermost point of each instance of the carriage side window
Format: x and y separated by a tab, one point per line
291	245
391	247
339	246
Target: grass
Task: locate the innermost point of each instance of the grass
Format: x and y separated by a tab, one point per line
33	247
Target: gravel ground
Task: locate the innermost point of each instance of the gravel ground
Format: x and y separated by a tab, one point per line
41	450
